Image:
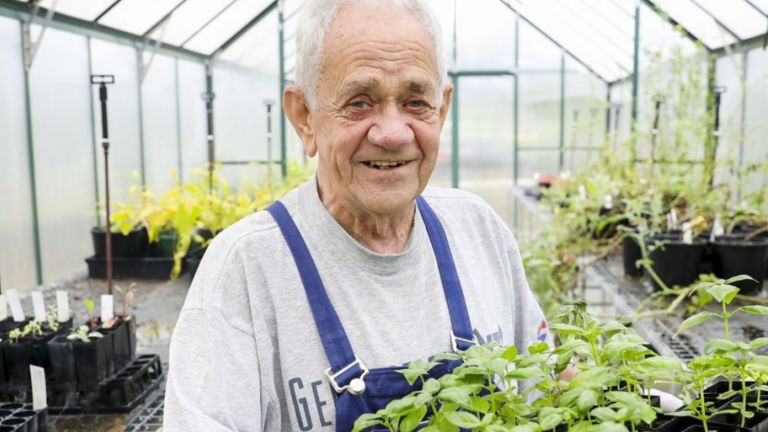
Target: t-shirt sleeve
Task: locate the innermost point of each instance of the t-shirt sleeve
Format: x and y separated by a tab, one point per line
213	378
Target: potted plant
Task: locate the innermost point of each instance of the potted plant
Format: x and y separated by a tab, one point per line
91	352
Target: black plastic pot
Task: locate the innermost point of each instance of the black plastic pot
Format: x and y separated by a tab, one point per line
194	245
135	244
9	324
165	246
123	337
758	423
17	358
64	376
733	255
631	253
30	418
91	362
676	263
714	428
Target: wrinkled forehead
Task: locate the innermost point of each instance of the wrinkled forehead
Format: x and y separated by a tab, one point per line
379	36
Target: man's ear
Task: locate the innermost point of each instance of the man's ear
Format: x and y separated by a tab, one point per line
297	111
446	106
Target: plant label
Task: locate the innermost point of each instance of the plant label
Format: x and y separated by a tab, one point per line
62	306
717	228
38	306
608	202
107	307
37	374
3	308
15	304
582	192
687	234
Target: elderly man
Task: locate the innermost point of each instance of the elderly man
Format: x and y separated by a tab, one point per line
300	315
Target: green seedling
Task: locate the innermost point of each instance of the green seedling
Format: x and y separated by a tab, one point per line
52	318
14	335
33	328
83	334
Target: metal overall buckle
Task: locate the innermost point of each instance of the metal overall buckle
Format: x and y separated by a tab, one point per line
356	385
455	339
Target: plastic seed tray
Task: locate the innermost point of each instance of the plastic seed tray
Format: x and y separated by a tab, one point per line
19	417
122	392
150	418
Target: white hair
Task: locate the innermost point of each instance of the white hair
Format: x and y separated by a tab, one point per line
315	20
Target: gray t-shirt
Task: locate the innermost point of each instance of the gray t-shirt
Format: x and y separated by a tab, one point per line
246	355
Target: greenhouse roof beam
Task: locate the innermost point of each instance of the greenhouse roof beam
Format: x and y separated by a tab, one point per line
245	29
106	11
162	20
745	45
20	11
559	45
673	22
207	23
719	22
756	7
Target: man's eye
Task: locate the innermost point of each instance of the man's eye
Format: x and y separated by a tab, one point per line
416	103
358	104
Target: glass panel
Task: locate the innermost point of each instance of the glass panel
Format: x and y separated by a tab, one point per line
755	149
539	98
63	152
241	115
533	162
193	117
492	48
728	75
123	116
738	16
17	269
621	114
486	140
226	25
84	9
761	4
258	48
161	157
441	176
189	18
696	21
585	107
137	16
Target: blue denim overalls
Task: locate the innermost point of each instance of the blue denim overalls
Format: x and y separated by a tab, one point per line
360	390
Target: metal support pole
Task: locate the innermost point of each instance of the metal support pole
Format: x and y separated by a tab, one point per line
208	98
635	76
281	61
97	192
178	120
455	132
561	159
142	156
743	109
102	81
607	114
268	103
516	105
32	176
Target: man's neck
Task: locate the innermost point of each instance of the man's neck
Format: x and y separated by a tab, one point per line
384	234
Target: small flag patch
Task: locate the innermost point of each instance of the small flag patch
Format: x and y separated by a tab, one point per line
542	333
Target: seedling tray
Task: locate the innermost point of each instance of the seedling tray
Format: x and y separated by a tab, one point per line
120	393
20	417
136	268
150	418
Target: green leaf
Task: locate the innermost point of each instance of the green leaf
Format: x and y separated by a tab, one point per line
695	320
432	386
459	395
720	345
446	356
510	353
462	419
566	329
530	427
723	293
739	278
549	419
412	420
610	427
587	400
605	414
525	373
366	421
480	405
758	343
660	363
755	310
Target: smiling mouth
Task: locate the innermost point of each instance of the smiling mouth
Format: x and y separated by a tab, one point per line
383	165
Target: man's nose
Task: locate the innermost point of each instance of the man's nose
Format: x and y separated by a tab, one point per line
391	128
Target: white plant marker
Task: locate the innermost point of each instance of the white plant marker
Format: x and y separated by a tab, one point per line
38	388
38	306
3	308
687	233
582	192
15	305
107	307
608	201
62	306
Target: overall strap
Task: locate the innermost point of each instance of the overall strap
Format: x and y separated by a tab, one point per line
344	364
462	335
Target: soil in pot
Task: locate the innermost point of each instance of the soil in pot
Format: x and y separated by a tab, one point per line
733	255
135	244
676	263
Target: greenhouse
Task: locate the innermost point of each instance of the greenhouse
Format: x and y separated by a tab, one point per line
335	215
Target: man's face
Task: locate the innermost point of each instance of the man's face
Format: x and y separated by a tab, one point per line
377	122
